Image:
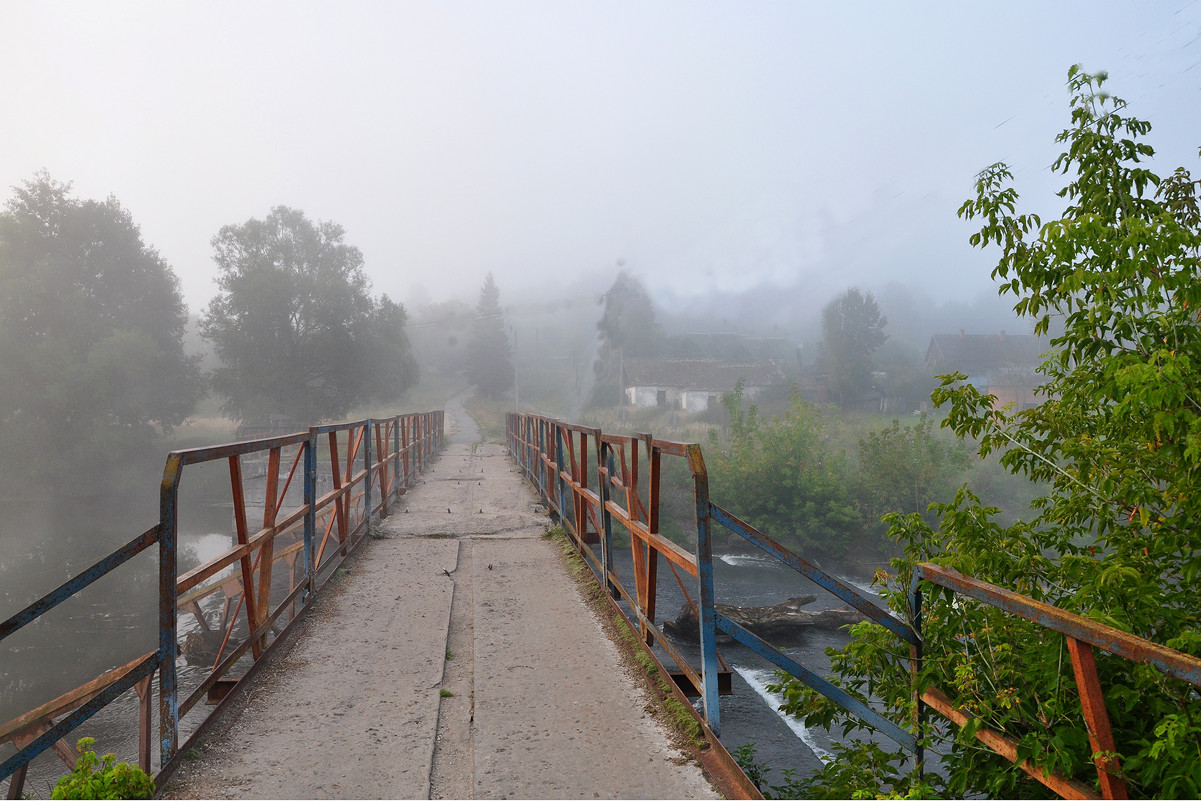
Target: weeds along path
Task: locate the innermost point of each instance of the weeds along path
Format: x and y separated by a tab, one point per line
455	659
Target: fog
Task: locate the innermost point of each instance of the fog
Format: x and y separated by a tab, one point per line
741	163
717	149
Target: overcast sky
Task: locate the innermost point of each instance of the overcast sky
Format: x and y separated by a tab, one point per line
710	146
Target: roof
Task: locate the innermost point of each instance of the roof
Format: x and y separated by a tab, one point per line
700	374
975	354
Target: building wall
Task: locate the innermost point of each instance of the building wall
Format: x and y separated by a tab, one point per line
697	400
689	400
1020	397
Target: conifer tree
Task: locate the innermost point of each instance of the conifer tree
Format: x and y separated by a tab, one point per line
489	357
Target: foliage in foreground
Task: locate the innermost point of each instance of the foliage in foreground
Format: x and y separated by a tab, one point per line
861	771
1118	442
112	780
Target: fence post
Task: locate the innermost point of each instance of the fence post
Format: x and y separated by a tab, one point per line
168	623
708	611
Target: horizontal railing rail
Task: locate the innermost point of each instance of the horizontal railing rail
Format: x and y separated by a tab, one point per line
1081	636
370	464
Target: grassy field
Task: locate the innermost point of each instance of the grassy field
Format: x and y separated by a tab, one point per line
490	416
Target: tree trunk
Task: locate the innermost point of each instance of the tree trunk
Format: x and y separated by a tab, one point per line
780	621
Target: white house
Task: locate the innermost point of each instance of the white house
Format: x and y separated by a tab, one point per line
693	385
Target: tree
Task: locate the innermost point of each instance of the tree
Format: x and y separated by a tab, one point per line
92	363
627	330
489	357
782	474
852	329
1118	443
295	326
904	469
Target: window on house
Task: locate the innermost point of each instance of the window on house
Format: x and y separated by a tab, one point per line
661	398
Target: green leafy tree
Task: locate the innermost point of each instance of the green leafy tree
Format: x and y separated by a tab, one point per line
852	329
1118	445
92	363
489	356
782	476
904	469
295	326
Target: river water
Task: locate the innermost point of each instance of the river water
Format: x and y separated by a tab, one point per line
751	714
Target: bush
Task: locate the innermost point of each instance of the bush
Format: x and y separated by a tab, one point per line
113	779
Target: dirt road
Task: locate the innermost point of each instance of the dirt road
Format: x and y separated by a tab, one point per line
456	659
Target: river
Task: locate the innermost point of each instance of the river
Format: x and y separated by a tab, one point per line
751	714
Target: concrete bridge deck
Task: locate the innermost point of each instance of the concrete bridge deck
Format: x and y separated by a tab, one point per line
455	659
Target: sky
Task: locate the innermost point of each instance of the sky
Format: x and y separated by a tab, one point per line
707	147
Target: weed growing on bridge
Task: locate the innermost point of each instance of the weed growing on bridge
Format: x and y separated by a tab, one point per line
444	693
684	721
575	562
113	779
449	654
680	716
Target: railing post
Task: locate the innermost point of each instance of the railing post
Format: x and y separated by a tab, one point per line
419	438
168	623
1096	718
396	482
367	477
542	464
708	610
523	431
915	670
310	516
560	495
406	437
603	477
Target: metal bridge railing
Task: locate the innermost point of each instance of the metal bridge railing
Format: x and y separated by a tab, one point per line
267	577
626	488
